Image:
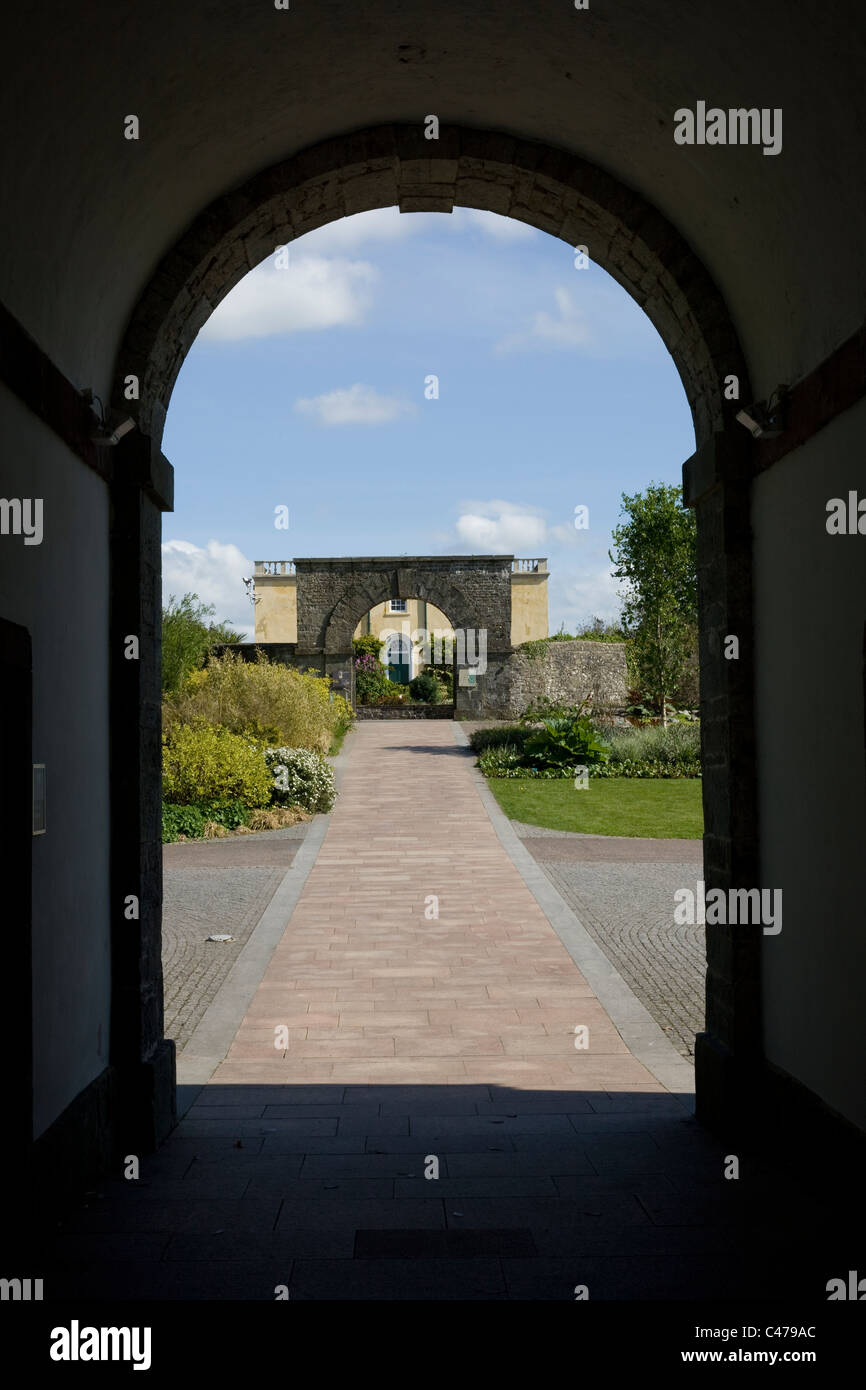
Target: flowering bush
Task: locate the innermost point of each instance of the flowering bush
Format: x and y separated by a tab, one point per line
371	679
300	778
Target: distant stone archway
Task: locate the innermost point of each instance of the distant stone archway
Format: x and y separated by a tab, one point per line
474	591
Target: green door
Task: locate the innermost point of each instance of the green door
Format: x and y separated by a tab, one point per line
398	659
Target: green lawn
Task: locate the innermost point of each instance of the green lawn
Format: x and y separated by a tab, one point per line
657	808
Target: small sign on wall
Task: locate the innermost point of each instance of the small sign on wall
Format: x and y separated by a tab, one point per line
39	807
467	679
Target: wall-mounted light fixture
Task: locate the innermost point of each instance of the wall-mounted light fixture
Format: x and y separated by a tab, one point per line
766	420
111	426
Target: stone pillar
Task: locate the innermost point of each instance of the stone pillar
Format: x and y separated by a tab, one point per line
728	1055
141	1058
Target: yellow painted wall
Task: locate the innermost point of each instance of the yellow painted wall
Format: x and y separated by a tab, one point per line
276	608
382	621
277	611
528	607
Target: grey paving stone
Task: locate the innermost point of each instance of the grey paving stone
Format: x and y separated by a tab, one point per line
457	1126
464	1144
543	1161
240	1129
653	1103
345	1185
361	1215
218	1183
423	1095
366	1165
313	1144
403	1108
612	1211
336	1110
453	1190
388	1125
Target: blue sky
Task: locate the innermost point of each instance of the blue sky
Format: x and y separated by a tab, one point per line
306	390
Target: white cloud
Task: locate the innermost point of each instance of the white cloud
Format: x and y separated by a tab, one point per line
353	405
389	224
567	328
215	572
577	596
496	226
311	293
501	528
379	224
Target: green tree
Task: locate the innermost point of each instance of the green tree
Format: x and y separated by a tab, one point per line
655	553
188	635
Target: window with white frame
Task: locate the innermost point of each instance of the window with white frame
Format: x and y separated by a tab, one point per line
398	605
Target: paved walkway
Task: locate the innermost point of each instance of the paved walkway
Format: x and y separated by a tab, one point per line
419	1045
373	988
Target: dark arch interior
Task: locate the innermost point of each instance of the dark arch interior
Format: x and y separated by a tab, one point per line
257	125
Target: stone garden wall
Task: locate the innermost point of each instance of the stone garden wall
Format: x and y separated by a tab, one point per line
562	671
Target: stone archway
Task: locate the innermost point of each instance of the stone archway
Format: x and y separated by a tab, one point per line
569	198
473	590
395	165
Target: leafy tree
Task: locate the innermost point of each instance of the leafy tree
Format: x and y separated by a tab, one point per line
188	635
597	630
368	645
655	553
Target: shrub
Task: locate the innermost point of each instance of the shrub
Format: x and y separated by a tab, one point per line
205	762
566	743
497	735
371	679
192	821
265	701
300	777
276	817
544	708
368	645
181	820
188	634
676	747
426	688
499	759
445	676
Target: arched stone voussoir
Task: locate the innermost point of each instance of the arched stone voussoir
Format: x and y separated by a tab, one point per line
393	165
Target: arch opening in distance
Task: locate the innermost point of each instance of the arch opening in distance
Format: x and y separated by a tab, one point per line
619	230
